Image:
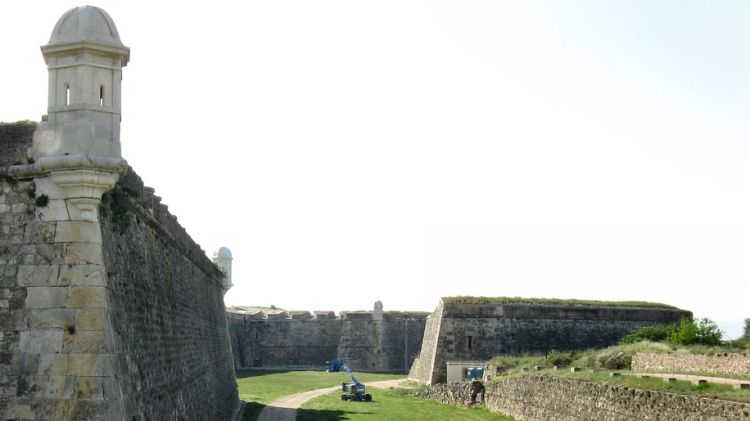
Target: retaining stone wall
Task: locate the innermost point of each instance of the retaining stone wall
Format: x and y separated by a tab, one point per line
547	398
727	363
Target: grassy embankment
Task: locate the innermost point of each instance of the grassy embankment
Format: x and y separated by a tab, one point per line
392	404
595	360
260	387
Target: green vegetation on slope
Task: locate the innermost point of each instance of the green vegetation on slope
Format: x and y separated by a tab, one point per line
709	390
259	387
552	301
393	404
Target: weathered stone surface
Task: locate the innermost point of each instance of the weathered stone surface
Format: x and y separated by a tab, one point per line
41	341
78	231
90	319
87	297
76	253
82	275
46	297
45	185
89	388
21	412
56	387
57	318
53	364
56	210
86	342
38	275
88	365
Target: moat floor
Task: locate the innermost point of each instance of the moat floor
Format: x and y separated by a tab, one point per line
285	408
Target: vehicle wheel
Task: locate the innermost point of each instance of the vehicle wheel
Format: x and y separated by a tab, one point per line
344	397
368	397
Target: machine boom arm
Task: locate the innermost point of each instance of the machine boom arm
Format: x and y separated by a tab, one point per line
338	365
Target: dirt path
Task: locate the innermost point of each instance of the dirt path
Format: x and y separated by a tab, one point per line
285	408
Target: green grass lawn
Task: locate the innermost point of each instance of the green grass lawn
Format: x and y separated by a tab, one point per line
259	387
392	404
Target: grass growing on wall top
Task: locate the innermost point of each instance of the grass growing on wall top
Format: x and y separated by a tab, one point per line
552	301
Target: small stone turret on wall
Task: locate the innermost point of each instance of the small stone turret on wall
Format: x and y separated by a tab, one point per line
223	259
377	312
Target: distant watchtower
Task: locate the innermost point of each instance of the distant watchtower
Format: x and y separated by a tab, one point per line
84	59
223	259
377	313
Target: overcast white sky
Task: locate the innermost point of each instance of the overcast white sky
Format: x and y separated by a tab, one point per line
348	151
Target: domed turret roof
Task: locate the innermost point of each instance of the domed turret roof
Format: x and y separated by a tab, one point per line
87	24
223	252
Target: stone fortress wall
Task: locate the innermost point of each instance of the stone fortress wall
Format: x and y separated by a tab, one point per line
478	331
388	342
547	398
735	364
108	309
98	318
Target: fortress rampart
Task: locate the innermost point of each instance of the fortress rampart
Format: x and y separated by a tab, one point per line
98	316
304	339
477	331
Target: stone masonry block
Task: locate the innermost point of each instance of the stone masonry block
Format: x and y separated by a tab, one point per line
47	186
56	387
20	412
37	275
90	365
46	297
89	388
78	232
83	253
87	297
27	364
91	319
53	364
41	341
86	342
56	210
39	232
60	318
80	275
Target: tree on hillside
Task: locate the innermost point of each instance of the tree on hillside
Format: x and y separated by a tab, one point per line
704	331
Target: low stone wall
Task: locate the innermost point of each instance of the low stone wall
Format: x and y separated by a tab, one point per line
448	393
727	363
553	398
